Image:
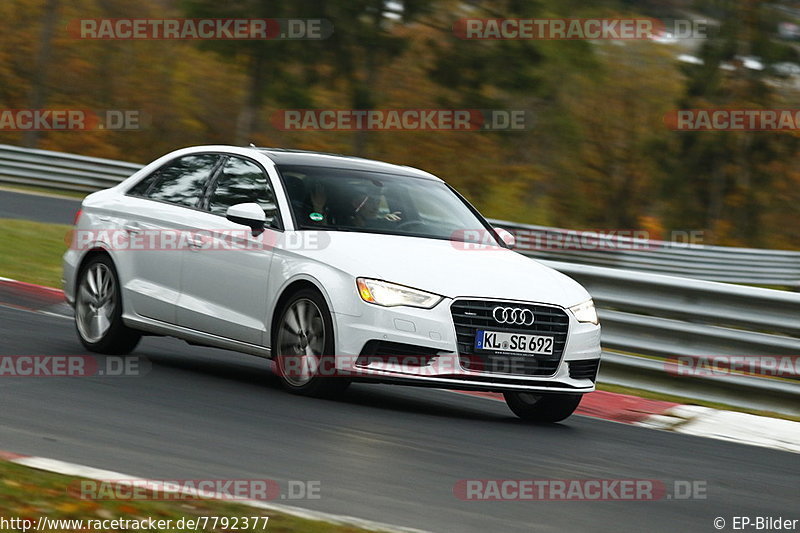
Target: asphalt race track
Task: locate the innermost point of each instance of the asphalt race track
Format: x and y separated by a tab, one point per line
383	453
48	209
388	454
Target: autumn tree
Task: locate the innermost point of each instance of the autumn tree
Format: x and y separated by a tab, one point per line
721	181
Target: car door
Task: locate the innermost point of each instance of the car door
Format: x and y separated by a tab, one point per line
154	214
225	276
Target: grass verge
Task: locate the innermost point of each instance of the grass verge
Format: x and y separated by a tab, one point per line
32	494
31	251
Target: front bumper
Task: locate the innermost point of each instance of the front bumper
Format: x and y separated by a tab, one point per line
434	329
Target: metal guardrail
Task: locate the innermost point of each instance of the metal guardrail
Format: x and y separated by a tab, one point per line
749	392
664	320
713	263
61	171
643	311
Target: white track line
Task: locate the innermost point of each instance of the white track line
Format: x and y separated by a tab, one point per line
742	428
733	426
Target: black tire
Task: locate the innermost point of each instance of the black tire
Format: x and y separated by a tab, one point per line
104	334
315	330
542	407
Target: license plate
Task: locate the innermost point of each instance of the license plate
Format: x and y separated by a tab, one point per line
500	341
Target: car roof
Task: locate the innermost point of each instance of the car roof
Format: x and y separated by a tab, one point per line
282	156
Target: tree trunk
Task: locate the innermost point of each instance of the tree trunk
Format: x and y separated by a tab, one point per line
247	121
39	89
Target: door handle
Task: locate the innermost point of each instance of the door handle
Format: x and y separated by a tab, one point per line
194	244
132	229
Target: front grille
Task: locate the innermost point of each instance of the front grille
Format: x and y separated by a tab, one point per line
584	369
376	351
469	316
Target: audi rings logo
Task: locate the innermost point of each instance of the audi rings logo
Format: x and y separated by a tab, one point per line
513	315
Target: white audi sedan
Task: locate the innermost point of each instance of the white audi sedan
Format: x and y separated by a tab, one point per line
335	268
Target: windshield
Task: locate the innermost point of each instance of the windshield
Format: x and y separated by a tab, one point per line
373	202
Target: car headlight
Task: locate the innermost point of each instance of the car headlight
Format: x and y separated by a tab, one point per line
585	312
391	294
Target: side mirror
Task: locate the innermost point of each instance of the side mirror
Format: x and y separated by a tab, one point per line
249	214
506	237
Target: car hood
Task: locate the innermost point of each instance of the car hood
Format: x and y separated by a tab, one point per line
447	268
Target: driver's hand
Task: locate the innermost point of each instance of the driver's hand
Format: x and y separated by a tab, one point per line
393	217
318	198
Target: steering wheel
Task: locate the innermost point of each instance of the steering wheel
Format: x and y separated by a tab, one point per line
409	223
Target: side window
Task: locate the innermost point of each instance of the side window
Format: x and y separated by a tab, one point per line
182	181
140	189
243	181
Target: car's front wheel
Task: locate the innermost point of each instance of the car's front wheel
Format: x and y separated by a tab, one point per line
98	309
303	346
542	407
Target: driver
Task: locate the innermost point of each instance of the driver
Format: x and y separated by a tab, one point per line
365	210
316	207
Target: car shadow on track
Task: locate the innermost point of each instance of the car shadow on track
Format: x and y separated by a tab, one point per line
436	403
389	398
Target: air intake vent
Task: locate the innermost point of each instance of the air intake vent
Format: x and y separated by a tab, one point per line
470	316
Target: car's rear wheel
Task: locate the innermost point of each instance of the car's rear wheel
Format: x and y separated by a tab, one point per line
98	310
542	407
303	345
